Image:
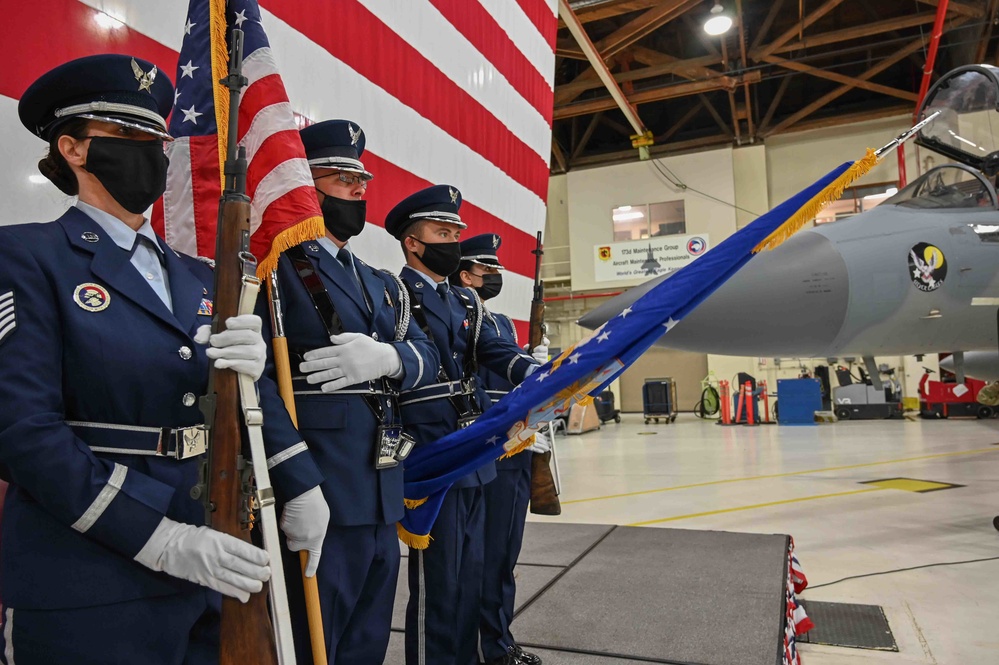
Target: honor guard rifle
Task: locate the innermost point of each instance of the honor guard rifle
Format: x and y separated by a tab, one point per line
235	484
544	492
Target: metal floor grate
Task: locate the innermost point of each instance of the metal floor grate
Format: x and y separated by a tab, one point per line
849	625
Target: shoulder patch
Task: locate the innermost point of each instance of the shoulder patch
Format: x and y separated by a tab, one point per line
207	261
8	315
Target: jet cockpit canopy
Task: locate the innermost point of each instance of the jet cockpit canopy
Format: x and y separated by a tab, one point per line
967	129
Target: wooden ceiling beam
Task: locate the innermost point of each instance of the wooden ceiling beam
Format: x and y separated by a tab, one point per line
840	78
637	28
827	6
585	139
775	102
715	115
609	9
899	55
559	156
650	95
957	8
681	123
858	32
768	22
849	118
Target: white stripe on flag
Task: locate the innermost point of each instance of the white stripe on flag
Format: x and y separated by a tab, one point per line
523	34
283	178
258	65
418	23
178	200
396	132
269	121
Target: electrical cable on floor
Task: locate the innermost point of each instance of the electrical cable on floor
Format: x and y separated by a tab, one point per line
902	570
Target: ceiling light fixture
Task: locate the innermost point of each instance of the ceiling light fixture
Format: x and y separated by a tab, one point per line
719	23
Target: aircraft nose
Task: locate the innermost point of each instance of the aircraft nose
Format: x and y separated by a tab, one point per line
787	302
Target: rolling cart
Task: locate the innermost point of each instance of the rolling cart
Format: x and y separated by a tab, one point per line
659	400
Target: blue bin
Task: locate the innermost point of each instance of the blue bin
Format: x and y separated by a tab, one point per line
798	400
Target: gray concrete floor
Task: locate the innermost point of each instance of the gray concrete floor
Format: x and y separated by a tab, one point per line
808	482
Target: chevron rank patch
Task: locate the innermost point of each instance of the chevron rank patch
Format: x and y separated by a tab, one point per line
8	315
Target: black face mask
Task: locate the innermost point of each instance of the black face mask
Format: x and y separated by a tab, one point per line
134	172
492	284
344	219
443	258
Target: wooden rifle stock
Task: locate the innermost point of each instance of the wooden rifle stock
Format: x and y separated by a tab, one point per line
246	635
544	493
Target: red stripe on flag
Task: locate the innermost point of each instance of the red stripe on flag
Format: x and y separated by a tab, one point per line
366	44
207	190
39	35
392	184
523	330
542	17
296	204
261	94
478	27
274	151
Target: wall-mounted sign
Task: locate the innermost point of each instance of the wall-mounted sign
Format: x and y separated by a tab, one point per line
644	259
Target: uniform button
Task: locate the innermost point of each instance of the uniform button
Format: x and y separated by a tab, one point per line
374	336
189	399
455	355
185	353
150	275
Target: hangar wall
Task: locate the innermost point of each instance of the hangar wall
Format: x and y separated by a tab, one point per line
751	178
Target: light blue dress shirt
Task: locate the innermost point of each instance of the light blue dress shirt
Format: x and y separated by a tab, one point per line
147	258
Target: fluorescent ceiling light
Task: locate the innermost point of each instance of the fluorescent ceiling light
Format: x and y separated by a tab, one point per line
622	209
625	216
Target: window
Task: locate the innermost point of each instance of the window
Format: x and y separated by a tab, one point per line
856	200
635	222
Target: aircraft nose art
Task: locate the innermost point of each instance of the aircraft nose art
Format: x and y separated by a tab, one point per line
790	301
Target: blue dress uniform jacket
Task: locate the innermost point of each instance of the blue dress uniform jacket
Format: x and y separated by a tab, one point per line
506	500
430	420
74	519
445	580
359	569
340	428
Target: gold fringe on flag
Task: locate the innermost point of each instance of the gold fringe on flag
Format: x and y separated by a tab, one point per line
309	228
413	504
411	539
519	448
220	69
810	210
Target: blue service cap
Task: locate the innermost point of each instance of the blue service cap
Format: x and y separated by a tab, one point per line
482	249
111	88
439	203
335	144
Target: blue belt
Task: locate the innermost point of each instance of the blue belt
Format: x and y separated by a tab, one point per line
176	442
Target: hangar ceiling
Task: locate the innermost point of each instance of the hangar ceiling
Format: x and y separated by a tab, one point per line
785	65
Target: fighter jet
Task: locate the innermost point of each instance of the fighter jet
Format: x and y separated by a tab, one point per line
918	274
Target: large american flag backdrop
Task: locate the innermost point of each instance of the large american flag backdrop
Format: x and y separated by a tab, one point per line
447	91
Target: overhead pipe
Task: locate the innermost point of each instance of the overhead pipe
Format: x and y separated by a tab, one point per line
924	86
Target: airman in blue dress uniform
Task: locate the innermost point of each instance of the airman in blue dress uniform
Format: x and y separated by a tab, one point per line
346	400
445	579
102	358
506	497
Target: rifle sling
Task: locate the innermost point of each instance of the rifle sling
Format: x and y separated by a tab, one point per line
323	303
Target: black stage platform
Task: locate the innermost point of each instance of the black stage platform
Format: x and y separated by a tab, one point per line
602	595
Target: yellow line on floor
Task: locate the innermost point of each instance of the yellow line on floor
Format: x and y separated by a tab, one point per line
754	506
991	449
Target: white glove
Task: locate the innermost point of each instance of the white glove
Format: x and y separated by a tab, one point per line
353	358
239	347
542	442
540	353
304	521
206	557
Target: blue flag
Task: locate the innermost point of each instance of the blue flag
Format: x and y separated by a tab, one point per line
588	366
